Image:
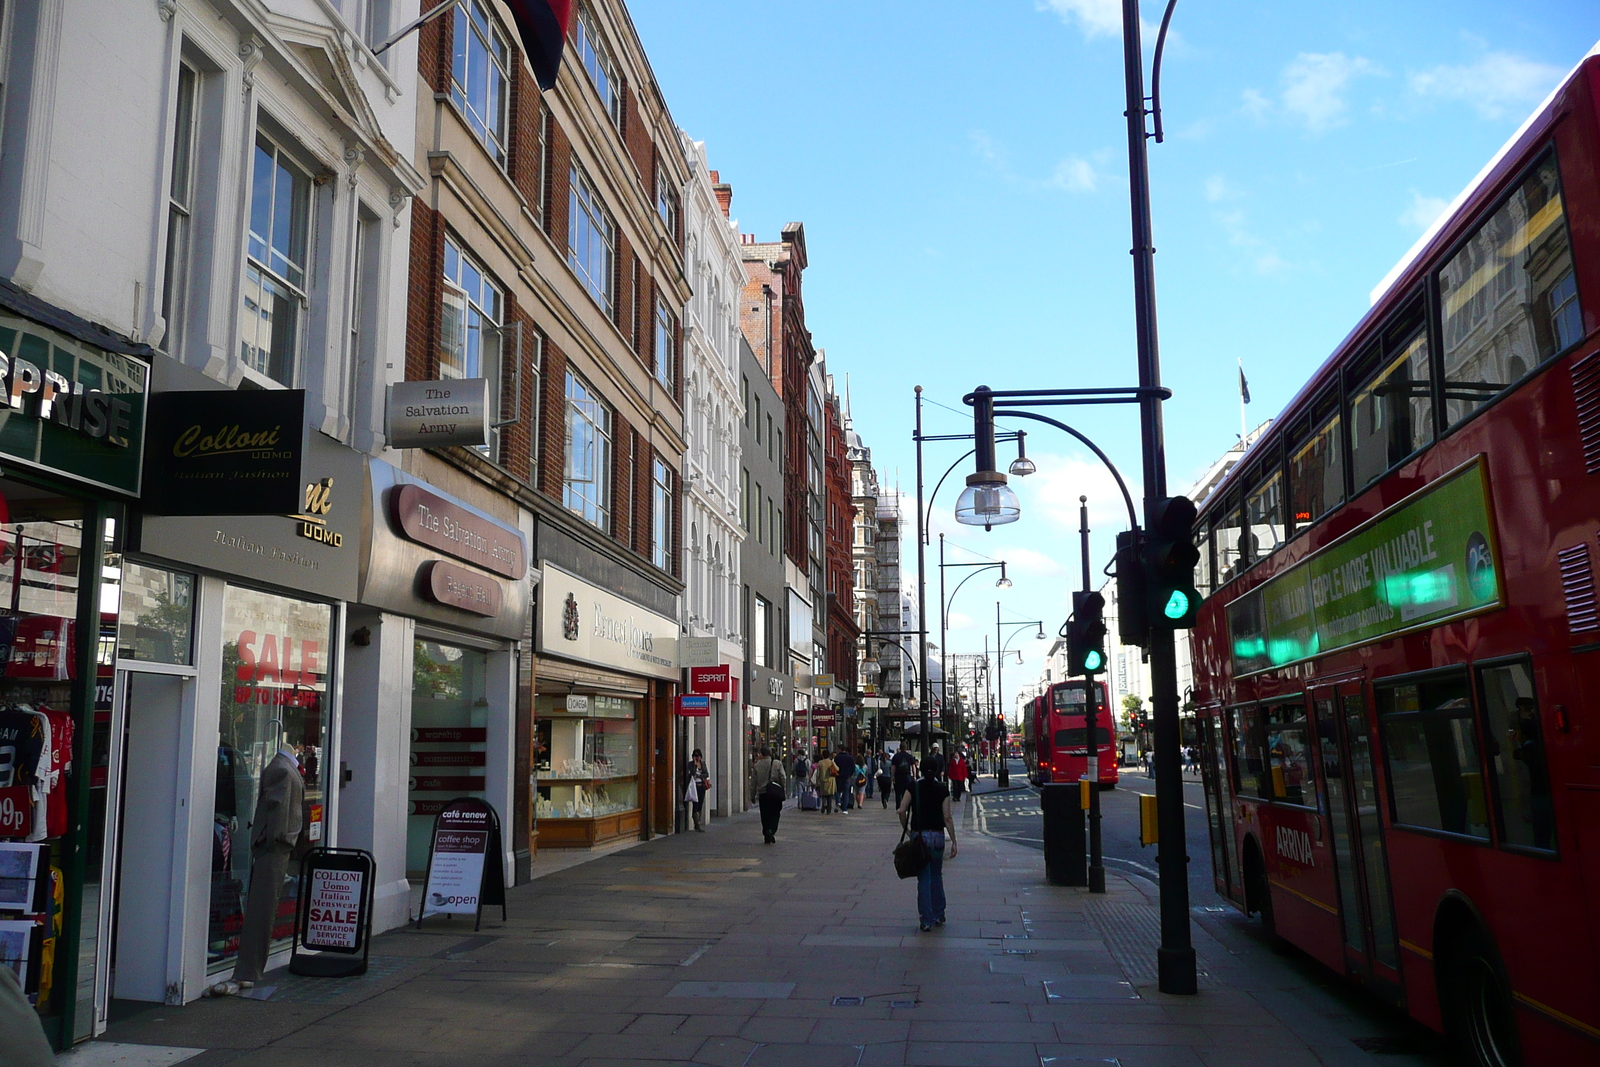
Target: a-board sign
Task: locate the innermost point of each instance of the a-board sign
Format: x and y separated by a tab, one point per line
466	868
335	913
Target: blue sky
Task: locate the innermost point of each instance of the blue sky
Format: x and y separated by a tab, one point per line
961	170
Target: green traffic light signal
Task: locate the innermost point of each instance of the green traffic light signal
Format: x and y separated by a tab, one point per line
1093	660
1177	605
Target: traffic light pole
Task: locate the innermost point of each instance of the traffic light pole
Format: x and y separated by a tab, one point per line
1175	959
1091	720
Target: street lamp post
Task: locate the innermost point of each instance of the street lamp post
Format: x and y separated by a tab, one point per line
1003	774
1002	582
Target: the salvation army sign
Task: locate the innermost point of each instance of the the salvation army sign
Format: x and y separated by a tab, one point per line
465	867
710	679
335	912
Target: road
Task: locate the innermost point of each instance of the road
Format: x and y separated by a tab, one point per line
1014	814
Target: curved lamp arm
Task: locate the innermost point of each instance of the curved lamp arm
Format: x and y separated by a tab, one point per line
951	598
1127	498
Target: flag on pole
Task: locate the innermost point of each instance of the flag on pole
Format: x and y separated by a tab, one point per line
542	25
1244	386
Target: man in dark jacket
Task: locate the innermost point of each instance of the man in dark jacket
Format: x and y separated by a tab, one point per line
847	778
904	766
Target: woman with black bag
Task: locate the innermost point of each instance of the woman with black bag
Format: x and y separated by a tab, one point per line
925	812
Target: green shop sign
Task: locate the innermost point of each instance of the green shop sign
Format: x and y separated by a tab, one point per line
1428	559
70	407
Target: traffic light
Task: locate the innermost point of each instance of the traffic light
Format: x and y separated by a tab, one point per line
1170	555
1086	634
1133	615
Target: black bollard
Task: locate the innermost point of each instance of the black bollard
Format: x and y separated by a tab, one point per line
1065	858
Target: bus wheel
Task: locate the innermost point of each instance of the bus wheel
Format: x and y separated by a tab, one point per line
1258	895
1479	1015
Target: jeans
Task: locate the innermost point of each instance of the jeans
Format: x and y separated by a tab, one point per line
930	881
847	790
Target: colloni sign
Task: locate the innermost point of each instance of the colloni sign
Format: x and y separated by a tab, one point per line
1429	559
226	452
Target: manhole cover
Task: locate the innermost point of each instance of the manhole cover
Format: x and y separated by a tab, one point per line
849	1002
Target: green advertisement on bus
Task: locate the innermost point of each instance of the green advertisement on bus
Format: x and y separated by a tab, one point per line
1428	559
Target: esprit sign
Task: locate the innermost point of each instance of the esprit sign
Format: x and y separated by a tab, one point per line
430	519
710	679
436	414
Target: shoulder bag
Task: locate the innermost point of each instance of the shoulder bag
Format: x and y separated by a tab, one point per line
911	854
772	788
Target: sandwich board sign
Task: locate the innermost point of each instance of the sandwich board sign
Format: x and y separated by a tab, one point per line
334	917
466	865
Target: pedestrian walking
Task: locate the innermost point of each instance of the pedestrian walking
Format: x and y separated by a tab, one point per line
959	775
802	769
698	779
846	765
768	787
883	773
903	767
863	782
925	810
825	776
871	767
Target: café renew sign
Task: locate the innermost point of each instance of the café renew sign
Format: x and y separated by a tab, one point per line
1430	558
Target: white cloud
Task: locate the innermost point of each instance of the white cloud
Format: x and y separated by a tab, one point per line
1313	93
1496	82
1423	211
1314	87
958	621
1097	18
1073	175
1218	188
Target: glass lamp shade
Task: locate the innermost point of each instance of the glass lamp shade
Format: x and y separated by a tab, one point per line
987	501
1003	583
1021	467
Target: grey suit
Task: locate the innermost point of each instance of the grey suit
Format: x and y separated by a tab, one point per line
273	833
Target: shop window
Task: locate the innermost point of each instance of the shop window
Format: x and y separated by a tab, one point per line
1290	775
587	756
1514	739
1509	299
156	621
1435	776
449	735
275	270
275	675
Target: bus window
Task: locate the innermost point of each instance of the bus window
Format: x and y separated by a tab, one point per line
1264	504
1078	737
1391	413
1205	569
1435	776
1289	753
1232	550
1515	743
1249	754
1316	467
1509	298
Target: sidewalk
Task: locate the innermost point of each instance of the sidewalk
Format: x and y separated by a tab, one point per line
714	949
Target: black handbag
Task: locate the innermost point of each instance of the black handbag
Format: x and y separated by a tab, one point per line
911	855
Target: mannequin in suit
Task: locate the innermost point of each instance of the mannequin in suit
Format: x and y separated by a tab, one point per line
273	833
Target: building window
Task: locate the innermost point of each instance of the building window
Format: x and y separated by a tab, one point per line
666	344
478	80
597	62
591	240
744	498
587	489
667	201
761	631
275	271
469	331
661	516
180	212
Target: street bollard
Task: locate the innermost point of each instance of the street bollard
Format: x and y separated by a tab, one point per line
1065	858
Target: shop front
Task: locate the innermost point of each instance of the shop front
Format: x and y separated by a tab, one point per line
228	656
437	635
73	402
769	710
603	747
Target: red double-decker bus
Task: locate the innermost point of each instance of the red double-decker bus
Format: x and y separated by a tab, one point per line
1398	668
1055	737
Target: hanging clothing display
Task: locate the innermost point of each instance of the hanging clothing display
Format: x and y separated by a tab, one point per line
35	757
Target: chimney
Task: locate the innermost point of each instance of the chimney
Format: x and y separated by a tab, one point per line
724	193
